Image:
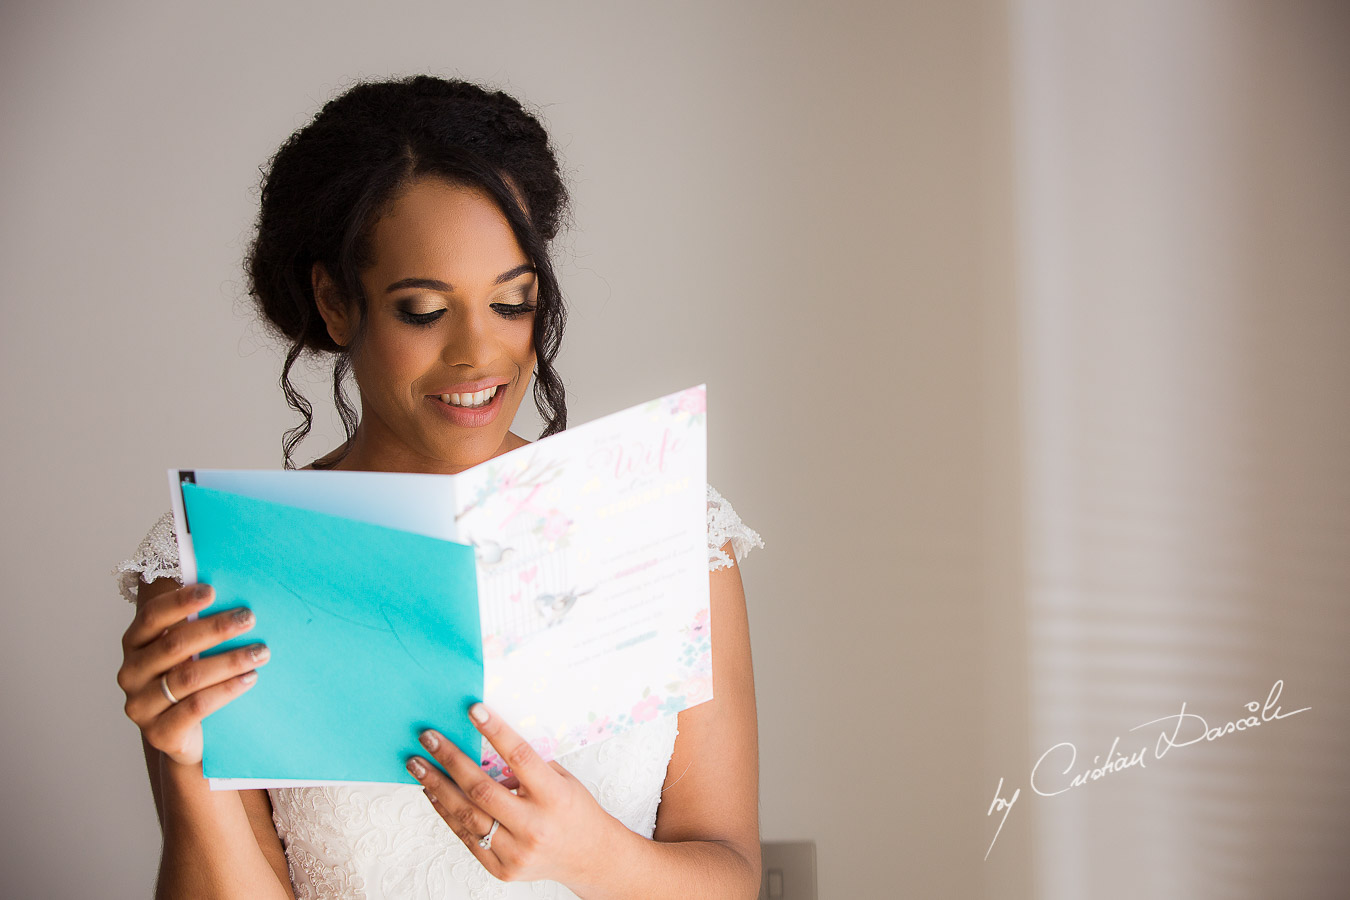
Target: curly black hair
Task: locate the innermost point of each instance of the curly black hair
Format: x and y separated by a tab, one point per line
330	182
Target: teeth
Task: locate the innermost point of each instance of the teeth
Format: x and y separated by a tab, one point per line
470	401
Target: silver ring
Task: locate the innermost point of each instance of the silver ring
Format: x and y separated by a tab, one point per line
164	686
486	840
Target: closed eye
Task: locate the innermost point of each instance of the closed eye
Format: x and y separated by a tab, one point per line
513	310
426	318
506	310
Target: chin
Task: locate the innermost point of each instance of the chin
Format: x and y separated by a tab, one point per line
469	451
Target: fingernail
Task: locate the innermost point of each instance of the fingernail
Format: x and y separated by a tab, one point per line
249	677
430	795
259	652
416	768
430	741
201	591
479	713
243	616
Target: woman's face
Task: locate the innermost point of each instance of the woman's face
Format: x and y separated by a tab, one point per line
450	311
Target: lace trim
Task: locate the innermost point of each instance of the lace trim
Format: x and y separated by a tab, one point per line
724	525
156	557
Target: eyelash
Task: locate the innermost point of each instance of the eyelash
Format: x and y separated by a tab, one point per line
506	310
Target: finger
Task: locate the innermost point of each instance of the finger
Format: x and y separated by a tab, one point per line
174	730
522	760
191	676
183	642
477	786
164	610
466	819
488	855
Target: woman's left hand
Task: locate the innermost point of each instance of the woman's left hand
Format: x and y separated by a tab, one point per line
551	828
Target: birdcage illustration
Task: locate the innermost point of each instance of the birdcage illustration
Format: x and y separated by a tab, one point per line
524	592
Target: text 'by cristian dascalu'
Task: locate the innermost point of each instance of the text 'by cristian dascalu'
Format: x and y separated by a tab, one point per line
1051	774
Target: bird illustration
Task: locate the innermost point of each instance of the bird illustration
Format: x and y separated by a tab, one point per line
552	607
490	553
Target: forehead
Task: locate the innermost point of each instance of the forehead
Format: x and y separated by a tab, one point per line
437	229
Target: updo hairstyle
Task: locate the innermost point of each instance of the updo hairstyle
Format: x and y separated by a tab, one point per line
331	181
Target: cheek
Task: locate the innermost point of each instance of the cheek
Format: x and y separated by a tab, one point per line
391	362
525	355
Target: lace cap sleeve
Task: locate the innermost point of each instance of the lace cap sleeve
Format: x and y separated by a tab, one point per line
156	557
724	525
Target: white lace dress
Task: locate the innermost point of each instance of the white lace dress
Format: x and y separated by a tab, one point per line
382	842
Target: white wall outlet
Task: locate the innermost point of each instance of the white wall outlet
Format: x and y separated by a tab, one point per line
789	870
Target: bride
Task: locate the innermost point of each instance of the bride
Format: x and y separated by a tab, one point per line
405	232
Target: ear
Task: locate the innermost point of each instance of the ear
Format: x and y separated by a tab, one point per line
339	316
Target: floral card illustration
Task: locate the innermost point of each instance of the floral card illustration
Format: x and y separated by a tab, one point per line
592	574
589	560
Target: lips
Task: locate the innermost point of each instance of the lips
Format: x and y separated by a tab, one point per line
470	400
469	387
469	416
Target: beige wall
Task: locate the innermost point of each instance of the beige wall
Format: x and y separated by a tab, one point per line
879	232
1183	214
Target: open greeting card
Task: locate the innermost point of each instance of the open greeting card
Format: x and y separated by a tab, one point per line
564	583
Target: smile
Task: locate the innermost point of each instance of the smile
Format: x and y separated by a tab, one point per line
470	401
470	409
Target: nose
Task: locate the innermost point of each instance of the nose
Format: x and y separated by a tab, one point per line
472	340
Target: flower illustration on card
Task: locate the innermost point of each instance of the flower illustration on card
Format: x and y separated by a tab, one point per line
545	746
495	646
692	686
689	406
496	767
554	527
697	688
694	402
598	729
695	681
504	485
647	708
696	650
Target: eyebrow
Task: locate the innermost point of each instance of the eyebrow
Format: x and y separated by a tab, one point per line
433	285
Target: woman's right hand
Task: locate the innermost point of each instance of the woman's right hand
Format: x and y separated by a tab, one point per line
159	644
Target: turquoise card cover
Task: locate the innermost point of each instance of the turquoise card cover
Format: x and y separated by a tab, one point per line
374	635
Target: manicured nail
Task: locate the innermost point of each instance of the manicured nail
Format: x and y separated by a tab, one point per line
416	768
479	713
259	653
430	741
249	677
243	616
201	591
430	795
